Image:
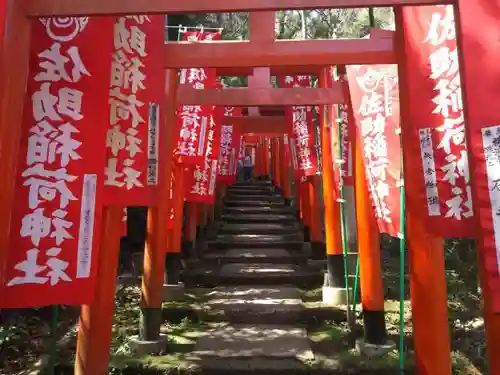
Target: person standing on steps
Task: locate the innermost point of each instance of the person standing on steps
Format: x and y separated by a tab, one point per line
240	173
248	166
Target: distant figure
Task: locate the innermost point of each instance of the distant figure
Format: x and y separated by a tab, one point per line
248	166
240	173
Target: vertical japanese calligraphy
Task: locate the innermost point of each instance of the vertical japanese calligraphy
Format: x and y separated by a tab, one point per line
481	73
302	140
194	120
61	165
199	130
229	149
136	89
343	115
437	116
375	99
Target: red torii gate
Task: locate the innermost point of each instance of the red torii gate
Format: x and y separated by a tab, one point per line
431	344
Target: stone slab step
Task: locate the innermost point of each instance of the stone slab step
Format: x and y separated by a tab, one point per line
351	263
251	365
259	210
253	183
259	218
252	274
259	238
243	300
258	197
221	243
261	228
253	203
251	190
251	341
258	255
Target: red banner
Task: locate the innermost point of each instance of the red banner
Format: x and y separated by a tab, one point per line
194	120
135	92
343	114
229	149
436	114
56	218
302	141
480	25
201	180
375	99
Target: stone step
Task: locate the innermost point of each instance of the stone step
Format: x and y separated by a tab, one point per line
261	228
252	183
259	210
223	243
351	263
255	197
251	190
257	305
259	255
252	274
245	341
259	240
253	203
259	218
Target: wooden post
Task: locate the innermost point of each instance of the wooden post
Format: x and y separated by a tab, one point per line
96	319
267	172
201	220
189	243
298	199
275	152
285	170
372	292
317	244
425	255
333	230
157	239
173	257
305	208
259	159
14	57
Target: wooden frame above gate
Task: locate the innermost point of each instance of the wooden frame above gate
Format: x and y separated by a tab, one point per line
41	8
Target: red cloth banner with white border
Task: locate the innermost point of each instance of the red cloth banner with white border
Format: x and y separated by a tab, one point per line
375	100
229	149
343	114
136	90
302	140
480	25
55	226
194	120
437	119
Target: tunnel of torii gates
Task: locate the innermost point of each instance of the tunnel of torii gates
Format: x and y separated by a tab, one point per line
259	58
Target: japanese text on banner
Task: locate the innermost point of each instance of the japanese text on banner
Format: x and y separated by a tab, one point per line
302	141
134	112
343	115
194	120
437	114
201	182
229	149
375	99
481	73
54	232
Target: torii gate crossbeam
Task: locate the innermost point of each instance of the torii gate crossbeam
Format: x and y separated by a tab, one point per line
40	8
376	50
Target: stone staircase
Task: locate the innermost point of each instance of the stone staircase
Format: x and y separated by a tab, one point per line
254	265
